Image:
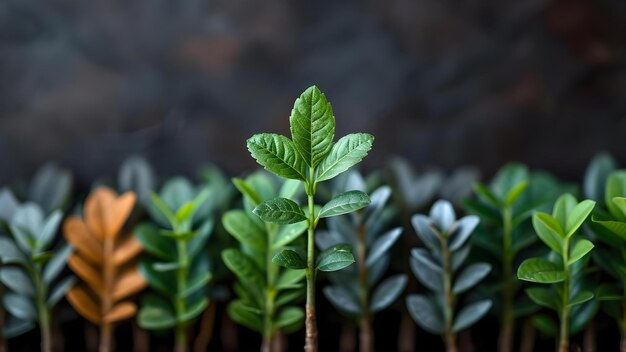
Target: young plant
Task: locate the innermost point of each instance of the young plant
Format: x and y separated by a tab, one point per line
104	261
310	156
562	270
357	290
31	270
180	269
266	291
505	207
437	268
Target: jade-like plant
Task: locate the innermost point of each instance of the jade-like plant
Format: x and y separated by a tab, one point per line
31	270
563	268
440	268
179	269
358	291
267	292
310	156
505	207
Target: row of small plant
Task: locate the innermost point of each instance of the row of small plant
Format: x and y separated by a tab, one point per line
527	250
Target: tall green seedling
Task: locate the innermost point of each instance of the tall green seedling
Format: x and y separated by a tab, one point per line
310	156
564	265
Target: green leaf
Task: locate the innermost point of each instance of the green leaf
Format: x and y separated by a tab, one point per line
56	263
164	282
577	216
243	267
347	152
549	231
312	125
50	187
247	191
245	315
442	215
344	203
163	208
485	193
606	292
335	258
545	324
540	270
19	306
239	225
160	246
9	253
562	208
470	314
508	178
193	310
291	258
425	313
51	225
462	231
544	297
58	292
581	248
289	296
580	298
381	245
287	233
280	211
137	175
426	270
278	155
616	227
185	212
596	175
387	292
341	299
156	314
290	279
16	327
514	193
290	189
17	280
426	232
470	276
289	316
615	187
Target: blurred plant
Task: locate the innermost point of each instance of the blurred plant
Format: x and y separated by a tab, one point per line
352	292
564	267
136	175
30	270
104	261
180	268
607	185
447	247
265	289
312	125
505	207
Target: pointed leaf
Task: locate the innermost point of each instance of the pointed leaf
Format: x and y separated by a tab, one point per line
462	231
194	310
240	226
544	297
57	263
540	270
342	299
382	245
425	313
49	230
156	314
549	231
335	258
485	193
160	246
578	215
562	208
280	211
581	248
347	152
345	203
470	276
278	155
580	298
470	314
242	266
291	258
287	233
60	290
515	192
248	191
616	227
387	292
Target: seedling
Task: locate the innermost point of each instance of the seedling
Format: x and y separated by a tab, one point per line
180	269
104	260
357	290
566	261
437	268
267	292
310	156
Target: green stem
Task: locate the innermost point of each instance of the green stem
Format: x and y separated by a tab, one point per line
311	322
505	340
366	334
564	316
179	304
449	336
270	295
44	313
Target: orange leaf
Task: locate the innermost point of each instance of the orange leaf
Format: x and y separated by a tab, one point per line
128	283
121	311
84	303
86	272
84	242
126	249
106	213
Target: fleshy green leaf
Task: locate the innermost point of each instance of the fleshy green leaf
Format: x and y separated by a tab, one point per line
470	314
616	227
581	248
425	313
278	155
280	211
345	203
335	258
9	253
580	298
442	215
462	231
382	245
470	276
156	314
342	299
160	246
549	231
242	266
595	176
247	191
485	193
193	310
56	264
426	232
19	306
562	208
291	258
290	279
387	292
245	315
508	178
58	292
312	125
544	297
514	193
615	187
289	316
240	226
164	282
578	215
540	270
17	280
287	233
347	152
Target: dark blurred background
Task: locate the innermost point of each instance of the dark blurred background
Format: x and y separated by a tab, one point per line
442	82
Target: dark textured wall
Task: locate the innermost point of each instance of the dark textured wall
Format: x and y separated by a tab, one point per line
442	82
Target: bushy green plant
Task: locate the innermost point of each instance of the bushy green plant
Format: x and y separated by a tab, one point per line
439	267
358	291
563	268
310	156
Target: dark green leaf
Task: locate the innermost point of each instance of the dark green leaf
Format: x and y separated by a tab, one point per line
387	292
164	282
428	273
545	324
290	279
50	187
596	174
581	248
425	313
278	155
382	245
580	298
15	327
289	316
470	314
245	315
58	292
335	258
287	233
470	276
154	243
615	187
291	258
606	292
544	297
616	227
156	314
485	193
312	126
17	280
342	299
194	310
240	226
243	267
515	192
540	270
509	177
347	152
280	211
345	203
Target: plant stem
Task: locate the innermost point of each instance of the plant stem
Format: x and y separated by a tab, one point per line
505	340
206	329
449	336
528	337
3	347
106	329
406	335
42	311
366	334
272	271
623	323
564	333
181	278
311	322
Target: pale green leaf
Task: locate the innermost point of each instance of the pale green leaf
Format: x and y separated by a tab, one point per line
540	270
335	258
239	225
581	248
287	233
291	258
549	231
425	313
347	152
577	216
344	203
